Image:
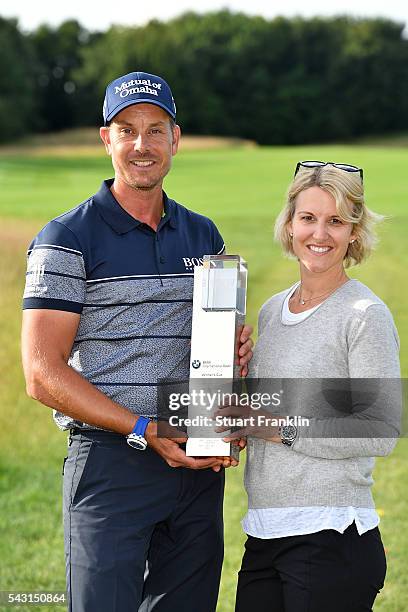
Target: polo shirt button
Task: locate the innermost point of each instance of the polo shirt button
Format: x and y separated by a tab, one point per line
162	260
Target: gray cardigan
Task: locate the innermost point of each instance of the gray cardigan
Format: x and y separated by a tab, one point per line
351	335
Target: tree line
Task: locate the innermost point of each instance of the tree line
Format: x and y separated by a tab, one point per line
279	81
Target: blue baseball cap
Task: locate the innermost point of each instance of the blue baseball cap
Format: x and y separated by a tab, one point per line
137	88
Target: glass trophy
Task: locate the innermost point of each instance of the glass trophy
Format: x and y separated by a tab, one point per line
219	306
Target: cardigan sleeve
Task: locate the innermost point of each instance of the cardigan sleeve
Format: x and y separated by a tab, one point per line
372	426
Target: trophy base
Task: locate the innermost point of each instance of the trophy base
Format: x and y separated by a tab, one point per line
211	447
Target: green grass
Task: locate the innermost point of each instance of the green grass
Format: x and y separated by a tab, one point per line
242	189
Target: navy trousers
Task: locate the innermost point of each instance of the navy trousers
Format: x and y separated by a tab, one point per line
318	572
138	534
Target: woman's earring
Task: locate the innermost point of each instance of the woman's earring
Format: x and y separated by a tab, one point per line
290	234
351	241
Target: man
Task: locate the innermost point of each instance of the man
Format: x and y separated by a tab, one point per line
107	313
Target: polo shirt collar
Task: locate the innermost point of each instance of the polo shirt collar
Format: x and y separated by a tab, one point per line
117	217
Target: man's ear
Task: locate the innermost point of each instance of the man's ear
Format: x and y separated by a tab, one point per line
104	133
176	133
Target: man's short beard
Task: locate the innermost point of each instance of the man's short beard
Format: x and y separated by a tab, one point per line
138	187
144	187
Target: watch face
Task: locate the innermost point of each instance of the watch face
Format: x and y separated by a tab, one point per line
136	441
288	433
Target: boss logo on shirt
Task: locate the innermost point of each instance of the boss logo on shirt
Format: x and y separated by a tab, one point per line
191	262
36	278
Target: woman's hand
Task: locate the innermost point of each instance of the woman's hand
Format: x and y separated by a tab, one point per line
246	421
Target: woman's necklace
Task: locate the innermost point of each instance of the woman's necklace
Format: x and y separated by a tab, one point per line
302	301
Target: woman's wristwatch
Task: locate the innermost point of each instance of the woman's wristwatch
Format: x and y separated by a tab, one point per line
136	437
288	434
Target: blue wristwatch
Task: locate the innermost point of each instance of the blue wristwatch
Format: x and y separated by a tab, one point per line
136	437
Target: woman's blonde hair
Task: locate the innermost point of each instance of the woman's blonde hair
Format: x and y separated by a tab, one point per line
348	191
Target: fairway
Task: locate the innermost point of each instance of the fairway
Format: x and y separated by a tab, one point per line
242	190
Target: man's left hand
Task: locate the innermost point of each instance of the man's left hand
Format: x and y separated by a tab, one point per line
231	461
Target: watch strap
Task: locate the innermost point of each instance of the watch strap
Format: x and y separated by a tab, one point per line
140	426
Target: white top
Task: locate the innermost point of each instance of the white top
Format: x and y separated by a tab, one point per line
268	523
291	318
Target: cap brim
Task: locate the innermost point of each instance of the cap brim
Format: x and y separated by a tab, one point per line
127	103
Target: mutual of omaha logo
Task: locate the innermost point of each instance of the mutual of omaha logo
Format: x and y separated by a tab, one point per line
136	86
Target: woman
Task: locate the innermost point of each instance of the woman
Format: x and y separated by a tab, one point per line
313	541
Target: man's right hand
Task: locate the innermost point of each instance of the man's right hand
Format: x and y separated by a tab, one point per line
169	449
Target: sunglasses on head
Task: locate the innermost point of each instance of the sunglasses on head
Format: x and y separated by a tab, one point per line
319	164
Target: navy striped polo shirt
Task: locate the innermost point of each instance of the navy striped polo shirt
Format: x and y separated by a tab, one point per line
133	288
